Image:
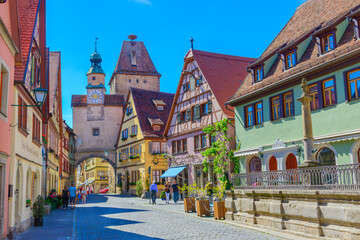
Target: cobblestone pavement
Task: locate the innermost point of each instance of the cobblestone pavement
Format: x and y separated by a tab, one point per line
114	217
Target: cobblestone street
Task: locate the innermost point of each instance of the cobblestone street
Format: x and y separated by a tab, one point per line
114	217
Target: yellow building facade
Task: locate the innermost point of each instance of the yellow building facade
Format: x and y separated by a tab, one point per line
140	146
96	174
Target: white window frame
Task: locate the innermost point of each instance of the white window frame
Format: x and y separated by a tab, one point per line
5	90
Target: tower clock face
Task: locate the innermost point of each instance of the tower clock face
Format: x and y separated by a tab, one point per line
96	96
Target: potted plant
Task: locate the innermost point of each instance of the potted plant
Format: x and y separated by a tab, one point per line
219	203
28	203
163	195
59	201
189	200
139	188
202	203
38	211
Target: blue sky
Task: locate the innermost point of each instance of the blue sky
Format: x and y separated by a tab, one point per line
235	27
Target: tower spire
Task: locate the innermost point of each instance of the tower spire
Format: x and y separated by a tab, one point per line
96	44
192	43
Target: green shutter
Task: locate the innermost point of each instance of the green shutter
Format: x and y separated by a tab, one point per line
185	87
209	106
178	118
197	112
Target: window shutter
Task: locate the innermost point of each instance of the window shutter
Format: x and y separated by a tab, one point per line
293	104
200	80
140	150
320	95
334	79
188	115
271	109
178	118
185	87
346	87
281	106
150	147
197	112
209	106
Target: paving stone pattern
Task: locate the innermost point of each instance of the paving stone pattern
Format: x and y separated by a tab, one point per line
114	217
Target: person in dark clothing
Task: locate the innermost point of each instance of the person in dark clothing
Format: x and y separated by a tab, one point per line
65	198
175	191
154	190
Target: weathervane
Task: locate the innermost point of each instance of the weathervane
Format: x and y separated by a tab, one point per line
132	37
192	43
96	44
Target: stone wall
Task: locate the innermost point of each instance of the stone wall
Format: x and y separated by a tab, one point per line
121	82
311	213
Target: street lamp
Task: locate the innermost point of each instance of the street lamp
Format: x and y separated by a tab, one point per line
40	96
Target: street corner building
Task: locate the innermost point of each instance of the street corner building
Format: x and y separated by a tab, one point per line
141	147
207	81
297	127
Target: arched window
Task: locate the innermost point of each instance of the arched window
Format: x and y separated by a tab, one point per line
273	164
358	155
28	185
255	164
291	161
326	157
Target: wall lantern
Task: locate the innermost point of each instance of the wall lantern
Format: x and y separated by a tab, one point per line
40	96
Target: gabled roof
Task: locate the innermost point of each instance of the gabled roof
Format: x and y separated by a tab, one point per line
110	100
224	74
27	10
144	65
311	18
54	68
146	109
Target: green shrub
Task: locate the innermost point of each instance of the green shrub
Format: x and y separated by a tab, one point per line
162	195
38	208
139	188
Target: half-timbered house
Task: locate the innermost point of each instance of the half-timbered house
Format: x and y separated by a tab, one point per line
207	81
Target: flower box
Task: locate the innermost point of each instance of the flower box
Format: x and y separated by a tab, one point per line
203	208
123	139
133	135
134	157
219	210
189	205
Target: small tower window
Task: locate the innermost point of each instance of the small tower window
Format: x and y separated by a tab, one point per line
144	81
137	80
129	80
96	131
93	78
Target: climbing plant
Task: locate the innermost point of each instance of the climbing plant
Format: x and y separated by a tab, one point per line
219	151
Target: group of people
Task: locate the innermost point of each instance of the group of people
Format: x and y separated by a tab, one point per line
75	195
174	189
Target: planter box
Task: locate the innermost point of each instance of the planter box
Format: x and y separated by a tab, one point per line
219	210
203	208
47	209
189	205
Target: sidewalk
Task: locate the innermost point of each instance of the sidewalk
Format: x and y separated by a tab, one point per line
58	225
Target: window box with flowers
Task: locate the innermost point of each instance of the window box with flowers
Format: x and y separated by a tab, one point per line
123	138
28	203
133	135
134	156
132	184
45	140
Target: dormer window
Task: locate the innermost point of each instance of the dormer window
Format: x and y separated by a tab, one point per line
327	43
156	127
290	59
258	74
93	78
129	111
160	108
159	105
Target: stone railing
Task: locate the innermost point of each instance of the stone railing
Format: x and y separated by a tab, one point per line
340	177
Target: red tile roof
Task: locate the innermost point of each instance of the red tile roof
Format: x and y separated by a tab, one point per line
110	100
27	10
144	65
224	73
312	17
146	109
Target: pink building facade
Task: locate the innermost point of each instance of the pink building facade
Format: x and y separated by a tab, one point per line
8	50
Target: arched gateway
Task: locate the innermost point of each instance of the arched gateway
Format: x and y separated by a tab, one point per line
96	118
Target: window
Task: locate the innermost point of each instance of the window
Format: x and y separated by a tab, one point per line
137	80
258	74
290	60
160	108
313	92
124	134
196	112
129	111
156	176
212	139
178	143
156	127
156	147
206	108
163	147
185	87
328	92
134	130
96	131
327	43
3	90
93	78
22	114
353	84
36	128
199	81
129	80
182	116
249	116
288	104
275	107
259	113
173	145
197	142
184	144
144	81
203	141
124	154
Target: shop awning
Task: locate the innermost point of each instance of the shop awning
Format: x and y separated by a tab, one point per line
173	171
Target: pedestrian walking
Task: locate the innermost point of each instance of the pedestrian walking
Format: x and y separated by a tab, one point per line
167	192
83	195
72	194
175	191
153	190
65	198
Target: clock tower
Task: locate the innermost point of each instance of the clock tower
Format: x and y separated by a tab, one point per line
96	80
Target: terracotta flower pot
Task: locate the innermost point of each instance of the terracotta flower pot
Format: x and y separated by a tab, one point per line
189	205
203	208
38	222
219	210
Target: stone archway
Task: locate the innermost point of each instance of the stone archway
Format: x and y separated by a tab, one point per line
112	173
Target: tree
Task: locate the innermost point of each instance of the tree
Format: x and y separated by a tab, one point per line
219	151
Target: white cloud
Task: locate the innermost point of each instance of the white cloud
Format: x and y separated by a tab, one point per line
146	2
